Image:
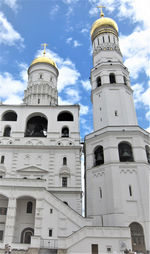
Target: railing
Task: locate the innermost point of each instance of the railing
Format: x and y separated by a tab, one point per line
49	243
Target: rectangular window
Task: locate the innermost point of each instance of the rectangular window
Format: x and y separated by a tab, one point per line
1	235
64	181
2	159
51	210
94	248
50	232
109	249
3	210
130	190
100	192
38	101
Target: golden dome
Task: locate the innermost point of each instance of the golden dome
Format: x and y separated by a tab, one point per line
103	22
43	59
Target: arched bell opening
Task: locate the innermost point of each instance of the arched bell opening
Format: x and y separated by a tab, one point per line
36	126
147	149
65	116
112	78
65	132
98	156
9	116
125	152
137	238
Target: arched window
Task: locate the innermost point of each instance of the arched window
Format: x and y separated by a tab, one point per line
65	116
29	207
112	78
7	131
125	80
98	81
26	235
65	132
137	238
36	127
9	116
147	149
98	156
125	152
65	161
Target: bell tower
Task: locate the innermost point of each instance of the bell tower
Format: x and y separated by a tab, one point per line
42	82
116	158
111	91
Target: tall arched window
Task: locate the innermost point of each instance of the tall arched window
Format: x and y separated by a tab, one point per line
98	81
65	132
147	149
112	78
36	127
7	131
98	156
137	238
9	116
65	161
125	152
29	207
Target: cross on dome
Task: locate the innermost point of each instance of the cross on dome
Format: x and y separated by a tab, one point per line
44	45
101	8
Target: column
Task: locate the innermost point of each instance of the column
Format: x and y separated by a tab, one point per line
10	221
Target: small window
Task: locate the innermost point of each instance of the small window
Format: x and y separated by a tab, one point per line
38	101
94	248
29	207
65	132
108	38
65	161
116	113
41	76
98	156
130	190
125	80
103	39
7	131
50	232
51	210
1	235
2	159
98	81
3	210
98	41
147	149
108	249
112	78
64	181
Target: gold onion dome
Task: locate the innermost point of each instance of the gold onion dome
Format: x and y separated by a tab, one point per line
43	59
103	22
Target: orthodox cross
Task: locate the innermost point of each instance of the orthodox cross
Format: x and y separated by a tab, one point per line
101	8
44	45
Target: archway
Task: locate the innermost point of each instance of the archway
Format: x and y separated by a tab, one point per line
137	238
36	126
26	235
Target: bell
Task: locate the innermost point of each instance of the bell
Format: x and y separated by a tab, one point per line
126	154
99	157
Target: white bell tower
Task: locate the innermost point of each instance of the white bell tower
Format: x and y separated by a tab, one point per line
111	91
117	153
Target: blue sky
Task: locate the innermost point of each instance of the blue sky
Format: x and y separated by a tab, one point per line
65	26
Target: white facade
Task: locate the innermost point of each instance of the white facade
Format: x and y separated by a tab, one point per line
40	166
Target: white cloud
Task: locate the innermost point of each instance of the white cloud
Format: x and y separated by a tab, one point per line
86	84
8	35
11	89
68	74
68	40
84	109
54	11
148	129
70	1
76	43
73	95
84	30
12	4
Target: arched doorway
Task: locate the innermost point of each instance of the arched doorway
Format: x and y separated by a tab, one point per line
137	238
26	235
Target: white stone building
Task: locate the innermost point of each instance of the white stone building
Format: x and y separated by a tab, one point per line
40	168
